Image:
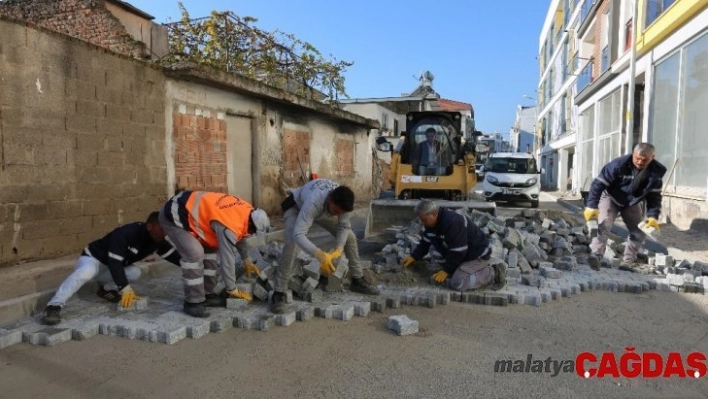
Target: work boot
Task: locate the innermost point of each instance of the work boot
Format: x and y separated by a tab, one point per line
499	280
215	301
51	315
279	305
195	309
109	295
363	287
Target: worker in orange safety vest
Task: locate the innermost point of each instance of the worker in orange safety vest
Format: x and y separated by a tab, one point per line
199	220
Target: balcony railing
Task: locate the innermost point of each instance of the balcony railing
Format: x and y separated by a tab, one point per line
585	77
605	59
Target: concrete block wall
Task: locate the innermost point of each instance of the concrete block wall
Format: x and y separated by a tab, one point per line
82	135
88	20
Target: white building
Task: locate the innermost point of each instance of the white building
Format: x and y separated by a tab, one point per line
522	136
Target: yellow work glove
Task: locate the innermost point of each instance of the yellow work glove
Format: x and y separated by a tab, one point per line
325	259
238	294
591	214
128	296
409	260
249	268
440	276
651	222
336	253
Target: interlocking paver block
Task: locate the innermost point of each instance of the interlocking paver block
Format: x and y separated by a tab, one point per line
402	325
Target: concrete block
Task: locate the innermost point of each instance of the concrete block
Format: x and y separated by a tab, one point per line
532	299
443	298
334	284
314	296
172	335
310	284
266	322
312	270
248	322
245	287
549	271
378	304
200	330
664	260
675	279
325	311
402	325
393	303
285	319
305	313
362	309
496	299
341	267
343	312
259	292
221	324
50	336
8	338
693	288
84	331
456	296
235	303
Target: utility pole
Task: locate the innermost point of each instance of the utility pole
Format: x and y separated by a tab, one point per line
630	90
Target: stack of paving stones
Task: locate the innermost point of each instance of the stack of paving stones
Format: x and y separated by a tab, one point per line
547	259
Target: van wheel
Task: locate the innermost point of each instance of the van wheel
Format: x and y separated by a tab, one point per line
534	204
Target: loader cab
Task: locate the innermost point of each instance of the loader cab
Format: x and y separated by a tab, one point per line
433	142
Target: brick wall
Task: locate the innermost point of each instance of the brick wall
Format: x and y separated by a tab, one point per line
82	142
599	29
88	20
200	151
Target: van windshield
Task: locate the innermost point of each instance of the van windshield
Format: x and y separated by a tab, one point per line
511	165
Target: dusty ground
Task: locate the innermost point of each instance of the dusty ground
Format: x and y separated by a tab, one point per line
452	356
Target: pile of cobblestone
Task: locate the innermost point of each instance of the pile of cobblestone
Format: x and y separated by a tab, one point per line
538	247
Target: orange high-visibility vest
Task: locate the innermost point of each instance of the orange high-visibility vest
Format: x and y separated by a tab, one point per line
204	207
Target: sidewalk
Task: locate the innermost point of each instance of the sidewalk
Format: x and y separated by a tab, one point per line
681	244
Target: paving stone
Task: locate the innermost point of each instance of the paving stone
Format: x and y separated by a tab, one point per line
362	309
402	325
312	270
491	299
235	303
221	324
259	292
314	296
305	313
138	306
393	303
248	321
378	304
675	279
84	331
50	336
343	312
285	319
325	311
172	335
266	322
443	298
310	284
8	338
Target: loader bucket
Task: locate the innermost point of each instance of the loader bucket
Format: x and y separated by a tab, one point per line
385	213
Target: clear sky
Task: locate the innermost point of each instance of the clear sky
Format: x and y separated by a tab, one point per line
480	52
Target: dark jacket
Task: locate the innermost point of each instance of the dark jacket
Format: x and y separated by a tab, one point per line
617	177
455	237
126	245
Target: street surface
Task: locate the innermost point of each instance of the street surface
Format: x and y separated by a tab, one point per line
453	355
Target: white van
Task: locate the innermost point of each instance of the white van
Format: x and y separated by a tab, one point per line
513	177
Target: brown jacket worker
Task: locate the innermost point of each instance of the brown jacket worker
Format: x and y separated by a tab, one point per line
464	246
195	220
620	188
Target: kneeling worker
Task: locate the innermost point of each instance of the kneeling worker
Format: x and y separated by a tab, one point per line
109	261
464	246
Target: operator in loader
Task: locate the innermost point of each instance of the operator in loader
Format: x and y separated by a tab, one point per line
329	205
465	248
110	261
196	221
